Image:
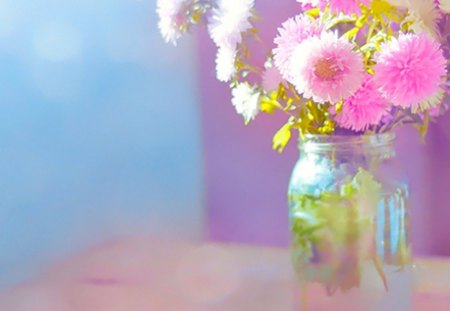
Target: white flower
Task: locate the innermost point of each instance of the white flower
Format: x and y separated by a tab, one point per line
246	101
229	20
445	6
424	16
430	103
170	19
399	3
225	63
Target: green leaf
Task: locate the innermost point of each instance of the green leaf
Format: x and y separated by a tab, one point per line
380	7
368	192
268	105
365	182
425	126
313	12
379	266
351	34
282	138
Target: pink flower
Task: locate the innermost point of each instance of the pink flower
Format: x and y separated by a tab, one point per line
348	6
291	33
308	4
411	71
337	6
365	108
326	68
271	79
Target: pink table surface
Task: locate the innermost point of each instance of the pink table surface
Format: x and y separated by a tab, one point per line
145	274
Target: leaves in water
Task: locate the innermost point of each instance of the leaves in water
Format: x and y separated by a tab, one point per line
335	231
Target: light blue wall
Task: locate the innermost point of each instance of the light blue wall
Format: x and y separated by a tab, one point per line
99	130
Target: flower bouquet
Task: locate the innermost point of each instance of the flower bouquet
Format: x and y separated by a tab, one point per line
345	73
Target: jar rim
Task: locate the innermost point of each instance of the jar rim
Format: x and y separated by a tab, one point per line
320	142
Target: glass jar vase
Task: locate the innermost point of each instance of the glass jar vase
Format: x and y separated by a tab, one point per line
350	224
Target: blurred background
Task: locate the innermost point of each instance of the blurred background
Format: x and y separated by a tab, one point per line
107	132
99	130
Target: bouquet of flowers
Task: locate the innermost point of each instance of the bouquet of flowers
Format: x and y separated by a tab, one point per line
339	66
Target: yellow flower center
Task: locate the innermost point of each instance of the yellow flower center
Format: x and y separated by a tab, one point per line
326	69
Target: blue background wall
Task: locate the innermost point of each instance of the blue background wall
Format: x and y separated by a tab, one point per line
99	130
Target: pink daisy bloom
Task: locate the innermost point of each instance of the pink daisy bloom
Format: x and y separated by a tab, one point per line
326	68
411	71
337	6
348	6
365	108
291	33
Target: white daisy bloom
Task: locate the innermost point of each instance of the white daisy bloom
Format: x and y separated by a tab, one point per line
170	14
225	63
246	101
424	16
430	103
399	3
445	6
229	20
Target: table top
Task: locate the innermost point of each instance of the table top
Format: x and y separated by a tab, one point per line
148	274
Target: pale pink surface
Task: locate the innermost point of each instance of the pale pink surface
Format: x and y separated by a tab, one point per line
145	274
